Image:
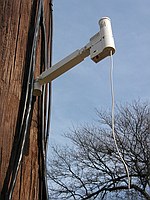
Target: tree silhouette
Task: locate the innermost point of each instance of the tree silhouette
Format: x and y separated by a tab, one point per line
92	169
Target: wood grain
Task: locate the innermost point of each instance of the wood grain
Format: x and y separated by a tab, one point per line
17	20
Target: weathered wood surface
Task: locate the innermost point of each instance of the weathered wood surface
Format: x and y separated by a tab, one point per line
17	18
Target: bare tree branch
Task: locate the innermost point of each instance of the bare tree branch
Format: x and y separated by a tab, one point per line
92	168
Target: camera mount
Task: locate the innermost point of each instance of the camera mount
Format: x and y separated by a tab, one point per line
99	47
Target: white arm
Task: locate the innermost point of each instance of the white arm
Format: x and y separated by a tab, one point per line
64	65
98	48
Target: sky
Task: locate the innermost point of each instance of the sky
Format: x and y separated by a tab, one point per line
77	93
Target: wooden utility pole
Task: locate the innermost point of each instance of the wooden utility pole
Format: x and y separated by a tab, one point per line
22	176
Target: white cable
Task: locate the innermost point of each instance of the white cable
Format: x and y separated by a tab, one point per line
113	118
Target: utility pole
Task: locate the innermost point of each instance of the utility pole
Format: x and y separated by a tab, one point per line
25	33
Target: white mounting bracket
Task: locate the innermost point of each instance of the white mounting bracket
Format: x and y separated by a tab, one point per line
99	47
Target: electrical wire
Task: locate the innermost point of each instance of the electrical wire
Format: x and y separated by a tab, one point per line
49	88
11	176
45	103
113	118
27	107
43	108
48	97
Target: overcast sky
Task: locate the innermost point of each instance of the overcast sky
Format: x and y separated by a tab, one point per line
76	94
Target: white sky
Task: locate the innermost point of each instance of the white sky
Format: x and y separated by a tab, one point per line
77	93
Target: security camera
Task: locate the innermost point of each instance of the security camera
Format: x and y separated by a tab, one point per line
102	43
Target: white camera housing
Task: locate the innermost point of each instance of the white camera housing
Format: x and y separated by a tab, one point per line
102	43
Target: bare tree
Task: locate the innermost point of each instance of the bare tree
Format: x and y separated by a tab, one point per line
92	168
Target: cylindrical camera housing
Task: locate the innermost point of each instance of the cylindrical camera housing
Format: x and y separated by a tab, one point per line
102	43
106	34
